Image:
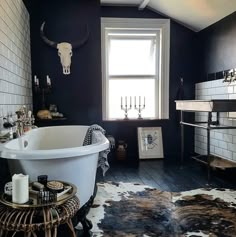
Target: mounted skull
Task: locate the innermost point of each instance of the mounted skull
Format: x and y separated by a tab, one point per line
64	48
65	54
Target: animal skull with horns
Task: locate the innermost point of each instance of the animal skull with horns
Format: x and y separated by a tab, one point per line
64	48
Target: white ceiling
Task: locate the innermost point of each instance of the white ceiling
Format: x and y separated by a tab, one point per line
195	14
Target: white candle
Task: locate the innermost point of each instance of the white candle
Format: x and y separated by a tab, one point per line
130	101
139	101
135	101
126	101
29	114
121	101
20	188
144	102
48	81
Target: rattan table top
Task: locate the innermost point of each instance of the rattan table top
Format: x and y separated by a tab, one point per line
32	219
4	199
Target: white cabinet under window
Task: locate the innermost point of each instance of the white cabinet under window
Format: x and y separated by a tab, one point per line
135	64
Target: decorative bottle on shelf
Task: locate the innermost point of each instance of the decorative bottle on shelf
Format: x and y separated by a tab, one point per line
121	152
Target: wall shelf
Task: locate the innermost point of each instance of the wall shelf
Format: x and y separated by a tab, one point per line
50	122
215	161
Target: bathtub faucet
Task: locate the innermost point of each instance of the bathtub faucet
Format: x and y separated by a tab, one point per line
19	128
25	121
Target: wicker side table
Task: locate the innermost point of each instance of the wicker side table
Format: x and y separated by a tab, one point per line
31	220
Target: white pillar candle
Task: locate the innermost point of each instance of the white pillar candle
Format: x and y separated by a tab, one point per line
130	102
126	101
121	101
20	188
36	81
48	81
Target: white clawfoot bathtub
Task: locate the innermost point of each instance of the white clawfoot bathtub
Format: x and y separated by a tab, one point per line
57	152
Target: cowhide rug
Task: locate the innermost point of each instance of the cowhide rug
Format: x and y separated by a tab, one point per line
132	210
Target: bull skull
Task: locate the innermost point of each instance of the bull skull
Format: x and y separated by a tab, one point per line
65	53
64	48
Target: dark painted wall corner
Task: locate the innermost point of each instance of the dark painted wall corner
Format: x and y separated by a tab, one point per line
218	46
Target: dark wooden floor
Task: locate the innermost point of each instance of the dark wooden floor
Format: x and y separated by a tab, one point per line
165	175
169	176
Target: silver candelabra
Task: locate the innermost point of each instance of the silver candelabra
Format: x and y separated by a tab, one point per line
140	107
125	106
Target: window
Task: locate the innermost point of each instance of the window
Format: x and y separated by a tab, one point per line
135	67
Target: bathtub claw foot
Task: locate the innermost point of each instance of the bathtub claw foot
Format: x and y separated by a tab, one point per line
81	217
84	234
87	225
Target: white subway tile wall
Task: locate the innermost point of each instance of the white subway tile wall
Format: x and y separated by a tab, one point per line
15	59
223	142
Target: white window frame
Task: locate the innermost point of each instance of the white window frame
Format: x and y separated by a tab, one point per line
162	25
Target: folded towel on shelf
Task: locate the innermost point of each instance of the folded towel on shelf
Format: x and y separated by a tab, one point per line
102	159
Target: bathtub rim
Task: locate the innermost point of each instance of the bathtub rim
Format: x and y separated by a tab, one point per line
8	153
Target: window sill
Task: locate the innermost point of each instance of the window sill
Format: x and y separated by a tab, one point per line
134	120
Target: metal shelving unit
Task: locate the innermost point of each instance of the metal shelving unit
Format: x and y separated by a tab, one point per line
208	106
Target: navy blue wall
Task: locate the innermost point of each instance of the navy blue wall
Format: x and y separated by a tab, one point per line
183	63
79	95
218	46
